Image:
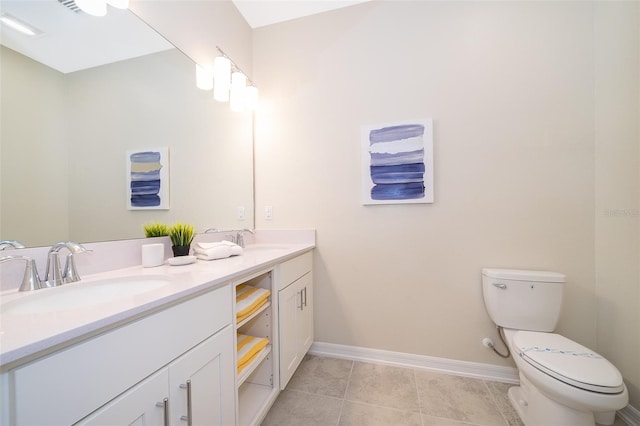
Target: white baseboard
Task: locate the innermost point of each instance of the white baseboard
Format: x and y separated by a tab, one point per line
450	366
628	414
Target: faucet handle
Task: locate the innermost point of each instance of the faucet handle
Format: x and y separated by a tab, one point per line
240	239
53	275
30	280
70	274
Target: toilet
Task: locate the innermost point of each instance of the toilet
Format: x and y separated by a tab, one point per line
561	381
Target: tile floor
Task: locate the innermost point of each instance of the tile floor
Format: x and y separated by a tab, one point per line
329	391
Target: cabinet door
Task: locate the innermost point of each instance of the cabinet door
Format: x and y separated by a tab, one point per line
141	405
289	304
202	383
295	318
305	316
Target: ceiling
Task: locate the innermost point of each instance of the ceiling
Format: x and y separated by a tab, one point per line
72	41
259	13
59	46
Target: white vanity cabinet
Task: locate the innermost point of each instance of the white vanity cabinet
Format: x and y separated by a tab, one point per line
175	364
190	390
295	313
144	404
119	376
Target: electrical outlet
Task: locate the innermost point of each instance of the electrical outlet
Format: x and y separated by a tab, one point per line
268	212
240	213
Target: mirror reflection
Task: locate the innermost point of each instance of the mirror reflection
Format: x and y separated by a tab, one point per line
65	137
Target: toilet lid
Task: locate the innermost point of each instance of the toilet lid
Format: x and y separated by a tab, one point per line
568	361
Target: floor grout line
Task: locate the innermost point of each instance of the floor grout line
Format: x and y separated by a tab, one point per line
495	402
344	395
415	379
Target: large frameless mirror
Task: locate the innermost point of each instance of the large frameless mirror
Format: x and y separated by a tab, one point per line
82	94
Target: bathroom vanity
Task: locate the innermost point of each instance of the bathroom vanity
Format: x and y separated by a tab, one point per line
165	356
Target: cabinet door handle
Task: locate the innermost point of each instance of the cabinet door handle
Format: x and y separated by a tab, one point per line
305	297
165	405
188	417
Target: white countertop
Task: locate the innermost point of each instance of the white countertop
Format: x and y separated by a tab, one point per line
24	337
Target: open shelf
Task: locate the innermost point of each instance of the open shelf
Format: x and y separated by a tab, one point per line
254	364
257	382
254	399
255	314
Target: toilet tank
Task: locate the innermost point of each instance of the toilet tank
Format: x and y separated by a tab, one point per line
523	300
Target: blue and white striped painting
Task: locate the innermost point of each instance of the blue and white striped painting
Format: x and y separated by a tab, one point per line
398	163
148	179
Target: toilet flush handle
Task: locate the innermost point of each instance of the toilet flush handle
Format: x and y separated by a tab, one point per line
500	286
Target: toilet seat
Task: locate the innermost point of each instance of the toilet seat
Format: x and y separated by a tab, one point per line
568	361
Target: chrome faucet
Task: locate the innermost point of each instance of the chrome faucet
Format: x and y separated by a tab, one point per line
240	236
54	276
228	237
237	238
11	244
31	280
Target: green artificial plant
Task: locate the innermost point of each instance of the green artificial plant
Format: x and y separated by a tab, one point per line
156	229
181	234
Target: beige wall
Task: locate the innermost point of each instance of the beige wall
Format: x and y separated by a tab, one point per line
210	147
34	149
617	138
510	86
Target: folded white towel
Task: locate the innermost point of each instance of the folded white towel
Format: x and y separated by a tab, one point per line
217	250
205	246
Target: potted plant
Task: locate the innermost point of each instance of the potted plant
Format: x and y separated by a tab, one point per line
181	235
156	229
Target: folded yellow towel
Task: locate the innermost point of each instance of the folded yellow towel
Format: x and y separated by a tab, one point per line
249	299
248	348
255	308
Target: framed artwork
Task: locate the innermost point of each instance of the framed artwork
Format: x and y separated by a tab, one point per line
148	179
397	162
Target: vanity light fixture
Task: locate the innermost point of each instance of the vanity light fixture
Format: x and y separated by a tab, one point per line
221	78
231	84
93	7
204	77
251	97
119	4
20	26
238	86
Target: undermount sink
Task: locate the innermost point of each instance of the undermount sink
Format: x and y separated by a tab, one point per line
83	294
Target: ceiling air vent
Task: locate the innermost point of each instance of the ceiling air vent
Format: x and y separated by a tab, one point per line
70	4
